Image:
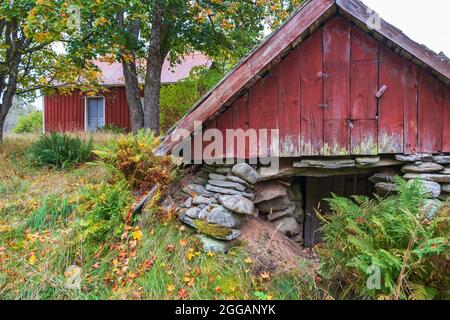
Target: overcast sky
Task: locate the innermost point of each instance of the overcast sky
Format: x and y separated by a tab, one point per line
426	22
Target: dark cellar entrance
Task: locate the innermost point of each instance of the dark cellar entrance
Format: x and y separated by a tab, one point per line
317	189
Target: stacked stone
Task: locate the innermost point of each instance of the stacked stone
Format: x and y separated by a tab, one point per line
282	204
220	199
432	171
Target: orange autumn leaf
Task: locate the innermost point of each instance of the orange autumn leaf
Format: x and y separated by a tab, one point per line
183	294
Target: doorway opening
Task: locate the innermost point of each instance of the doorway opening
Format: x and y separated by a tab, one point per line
316	190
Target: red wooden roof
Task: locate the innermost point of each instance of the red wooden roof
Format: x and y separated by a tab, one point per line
113	72
308	18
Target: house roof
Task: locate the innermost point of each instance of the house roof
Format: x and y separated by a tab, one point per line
307	19
113	72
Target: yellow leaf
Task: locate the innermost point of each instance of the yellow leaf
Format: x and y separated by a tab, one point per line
32	259
248	260
137	235
170	288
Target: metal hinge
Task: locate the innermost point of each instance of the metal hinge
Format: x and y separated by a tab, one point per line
381	91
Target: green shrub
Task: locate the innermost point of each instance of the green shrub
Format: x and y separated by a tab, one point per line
105	210
112	128
133	156
60	151
395	235
30	123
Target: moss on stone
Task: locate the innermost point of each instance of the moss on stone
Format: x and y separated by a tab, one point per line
212	230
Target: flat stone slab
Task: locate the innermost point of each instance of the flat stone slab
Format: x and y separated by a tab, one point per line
212	245
238	204
442	159
424	167
281	214
223	170
325	164
414	157
433	189
221	216
198	200
445	187
278	204
226	191
266	191
441	178
367	161
188	221
233	178
246	172
215	176
227	184
192	212
382	177
196	189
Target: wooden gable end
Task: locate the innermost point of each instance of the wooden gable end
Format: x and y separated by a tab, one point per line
341	92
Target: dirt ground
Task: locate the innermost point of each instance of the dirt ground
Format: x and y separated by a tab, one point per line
272	251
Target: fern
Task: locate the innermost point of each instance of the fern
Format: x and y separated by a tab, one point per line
394	234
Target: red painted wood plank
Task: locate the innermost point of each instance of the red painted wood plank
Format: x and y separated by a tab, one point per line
263	111
225	122
336	137
364	87
289	108
410	108
431	103
336	40
209	152
241	124
446	121
336	50
390	117
311	87
364	47
364	137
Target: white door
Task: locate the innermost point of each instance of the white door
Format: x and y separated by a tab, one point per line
95	113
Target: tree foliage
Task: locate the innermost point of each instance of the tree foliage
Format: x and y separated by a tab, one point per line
29	31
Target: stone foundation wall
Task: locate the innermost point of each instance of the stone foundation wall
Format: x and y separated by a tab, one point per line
220	198
432	171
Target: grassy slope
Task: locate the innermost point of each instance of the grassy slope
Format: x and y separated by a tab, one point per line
39	212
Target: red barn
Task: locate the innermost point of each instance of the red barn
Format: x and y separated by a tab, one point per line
338	86
78	112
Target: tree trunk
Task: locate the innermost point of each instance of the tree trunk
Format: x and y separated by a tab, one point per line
155	60
133	95
11	87
131	77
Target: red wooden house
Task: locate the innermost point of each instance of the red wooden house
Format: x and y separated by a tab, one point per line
78	112
336	86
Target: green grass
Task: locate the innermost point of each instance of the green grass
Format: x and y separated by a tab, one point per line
42	216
